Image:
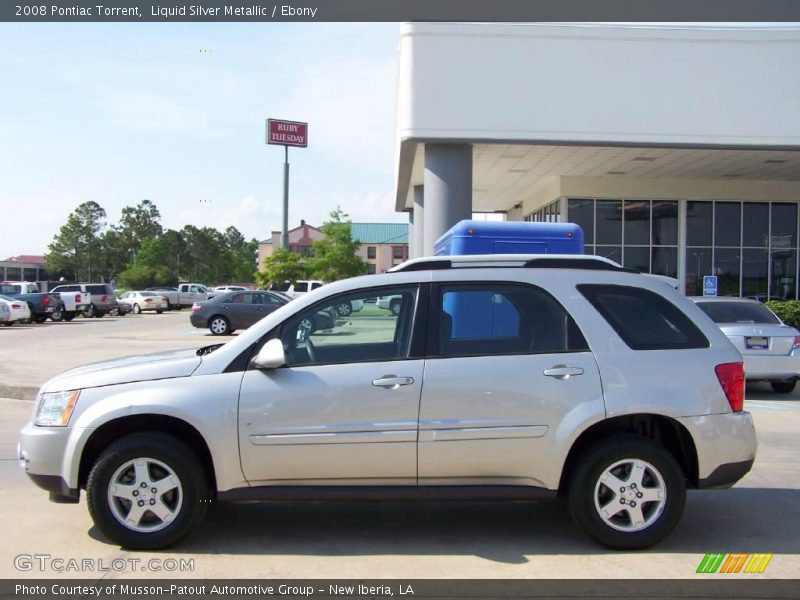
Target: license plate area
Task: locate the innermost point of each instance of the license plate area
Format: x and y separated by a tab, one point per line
756	342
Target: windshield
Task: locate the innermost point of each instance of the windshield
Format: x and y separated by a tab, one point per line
738	312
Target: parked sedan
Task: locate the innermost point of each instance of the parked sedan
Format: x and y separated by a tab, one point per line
141	301
226	313
771	349
13	311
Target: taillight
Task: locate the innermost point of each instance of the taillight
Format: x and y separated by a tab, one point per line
196	307
147	300
796	343
731	378
16	306
77	297
104	298
46	300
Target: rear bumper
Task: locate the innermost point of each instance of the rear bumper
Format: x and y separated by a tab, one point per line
198	320
760	366
726	447
724	476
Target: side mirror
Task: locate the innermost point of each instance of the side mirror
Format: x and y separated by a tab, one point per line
271	355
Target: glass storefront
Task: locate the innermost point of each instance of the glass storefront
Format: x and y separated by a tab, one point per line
640	234
752	247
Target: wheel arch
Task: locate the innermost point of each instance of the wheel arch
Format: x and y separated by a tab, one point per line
665	431
117	428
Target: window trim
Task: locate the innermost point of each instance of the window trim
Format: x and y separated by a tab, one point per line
432	347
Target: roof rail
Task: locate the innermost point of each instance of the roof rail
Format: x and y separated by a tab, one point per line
531	261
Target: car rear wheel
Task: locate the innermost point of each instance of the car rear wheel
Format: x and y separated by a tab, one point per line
90	311
69	316
137	309
159	311
627	493
57	315
219	326
39	319
147	491
783	387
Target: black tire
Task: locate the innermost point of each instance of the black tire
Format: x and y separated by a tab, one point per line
57	315
137	310
190	499
783	387
90	311
584	483
395	307
39	319
8	323
344	309
68	316
159	311
219	325
98	314
169	305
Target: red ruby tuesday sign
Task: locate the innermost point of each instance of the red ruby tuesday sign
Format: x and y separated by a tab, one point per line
287	133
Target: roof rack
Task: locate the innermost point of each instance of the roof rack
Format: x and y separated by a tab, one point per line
530	261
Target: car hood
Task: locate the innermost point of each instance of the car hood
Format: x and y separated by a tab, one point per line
161	365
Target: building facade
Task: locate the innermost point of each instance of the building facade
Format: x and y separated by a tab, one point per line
23	268
383	245
676	148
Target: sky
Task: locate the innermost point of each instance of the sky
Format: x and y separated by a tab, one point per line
175	113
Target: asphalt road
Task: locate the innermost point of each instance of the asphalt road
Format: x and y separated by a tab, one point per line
375	540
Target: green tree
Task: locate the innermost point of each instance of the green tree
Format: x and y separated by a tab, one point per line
138	223
77	248
334	256
281	266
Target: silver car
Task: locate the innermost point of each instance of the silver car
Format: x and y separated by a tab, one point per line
499	378
771	349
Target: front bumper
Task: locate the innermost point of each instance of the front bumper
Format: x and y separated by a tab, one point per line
41	453
726	447
764	366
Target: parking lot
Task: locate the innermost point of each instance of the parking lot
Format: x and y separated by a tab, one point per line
375	540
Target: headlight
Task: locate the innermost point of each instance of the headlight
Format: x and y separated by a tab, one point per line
56	408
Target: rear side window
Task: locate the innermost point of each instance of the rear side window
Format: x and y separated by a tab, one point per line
98	289
502	318
301	286
643	319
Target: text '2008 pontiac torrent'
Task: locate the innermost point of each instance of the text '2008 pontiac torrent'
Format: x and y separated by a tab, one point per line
498	377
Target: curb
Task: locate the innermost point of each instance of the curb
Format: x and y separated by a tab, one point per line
18	392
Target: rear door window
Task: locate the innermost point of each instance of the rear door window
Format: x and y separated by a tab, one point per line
502	318
644	319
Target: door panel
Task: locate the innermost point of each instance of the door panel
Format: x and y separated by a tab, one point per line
329	422
493	416
343	409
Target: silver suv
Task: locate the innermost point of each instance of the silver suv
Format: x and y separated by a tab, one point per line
498	378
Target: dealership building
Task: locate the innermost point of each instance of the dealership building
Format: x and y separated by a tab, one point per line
675	147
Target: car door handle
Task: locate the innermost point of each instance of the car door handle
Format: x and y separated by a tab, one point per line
392	381
563	372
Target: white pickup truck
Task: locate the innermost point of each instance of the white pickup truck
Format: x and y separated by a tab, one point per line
185	294
72	305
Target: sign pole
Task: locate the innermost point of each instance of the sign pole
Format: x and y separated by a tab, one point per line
285	227
286	133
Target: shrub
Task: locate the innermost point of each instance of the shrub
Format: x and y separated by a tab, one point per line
788	311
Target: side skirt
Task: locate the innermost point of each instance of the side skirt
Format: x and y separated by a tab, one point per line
386	493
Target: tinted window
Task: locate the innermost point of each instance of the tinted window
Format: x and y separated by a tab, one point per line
581	212
316	285
246	298
301	286
98	289
491	319
637	222
266	299
738	312
643	319
698	223
318	336
727	223
609	222
279	287
756	224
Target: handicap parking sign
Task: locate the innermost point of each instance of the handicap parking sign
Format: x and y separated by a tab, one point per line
709	285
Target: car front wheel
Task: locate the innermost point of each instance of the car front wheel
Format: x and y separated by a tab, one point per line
627	493
147	491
